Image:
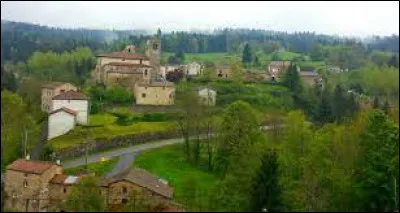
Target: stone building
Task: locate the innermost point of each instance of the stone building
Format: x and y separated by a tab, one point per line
224	71
141	183
125	68
41	186
155	93
310	78
207	96
275	69
193	69
27	185
51	90
155	90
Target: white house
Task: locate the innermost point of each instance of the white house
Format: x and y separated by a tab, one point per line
75	101
207	96
60	122
193	68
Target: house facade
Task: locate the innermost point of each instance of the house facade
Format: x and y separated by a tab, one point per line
310	77
207	96
51	90
224	72
42	186
156	93
74	101
275	68
60	122
193	69
27	185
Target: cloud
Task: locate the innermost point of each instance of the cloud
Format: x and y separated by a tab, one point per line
348	18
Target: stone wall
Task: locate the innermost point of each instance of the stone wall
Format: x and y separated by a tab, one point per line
101	144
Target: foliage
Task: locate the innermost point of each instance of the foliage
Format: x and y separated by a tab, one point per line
292	79
12	129
8	81
265	191
375	175
116	94
247	55
84	196
171	164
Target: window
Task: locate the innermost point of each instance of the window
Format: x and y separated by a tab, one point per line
25	183
62	90
124	190
143	95
124	201
65	190
26	174
145	72
155	46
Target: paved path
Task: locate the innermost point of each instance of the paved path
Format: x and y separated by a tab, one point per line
118	152
125	161
128	150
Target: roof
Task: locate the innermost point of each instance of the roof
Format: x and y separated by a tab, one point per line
30	166
156	84
308	73
124	55
67	110
128	65
144	179
206	88
53	85
64	179
70	95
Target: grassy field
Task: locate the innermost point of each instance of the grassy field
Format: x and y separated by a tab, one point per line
99	168
170	164
110	129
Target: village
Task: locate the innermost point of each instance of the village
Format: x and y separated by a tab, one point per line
32	185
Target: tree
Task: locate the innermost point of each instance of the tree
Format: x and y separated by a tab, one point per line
376	104
386	107
266	189
375	176
339	103
238	131
247	56
317	52
394	61
15	119
323	112
8	80
257	61
237	73
85	197
292	79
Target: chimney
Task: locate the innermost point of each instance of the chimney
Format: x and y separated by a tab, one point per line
27	157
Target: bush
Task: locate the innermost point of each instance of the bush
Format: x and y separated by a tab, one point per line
155	117
116	94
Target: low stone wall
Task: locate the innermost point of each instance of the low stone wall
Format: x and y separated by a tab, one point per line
102	144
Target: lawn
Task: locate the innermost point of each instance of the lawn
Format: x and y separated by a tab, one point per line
99	168
217	58
170	164
108	130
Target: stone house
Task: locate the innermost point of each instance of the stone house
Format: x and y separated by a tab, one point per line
275	68
155	93
51	90
27	185
224	71
69	108
125	68
207	96
193	69
310	77
141	183
42	186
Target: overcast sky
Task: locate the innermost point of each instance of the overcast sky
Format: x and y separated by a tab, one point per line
341	18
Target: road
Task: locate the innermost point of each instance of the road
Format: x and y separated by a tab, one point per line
118	152
135	149
125	161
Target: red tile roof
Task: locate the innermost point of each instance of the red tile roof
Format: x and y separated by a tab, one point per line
70	95
65	109
34	167
128	65
123	55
